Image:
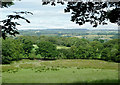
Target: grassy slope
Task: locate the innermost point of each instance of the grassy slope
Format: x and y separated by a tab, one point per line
70	71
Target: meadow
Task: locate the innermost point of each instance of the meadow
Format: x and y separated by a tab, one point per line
60	71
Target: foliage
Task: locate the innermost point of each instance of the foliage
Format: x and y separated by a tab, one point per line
11	50
9	26
6	4
111	50
92	50
16	49
46	50
32	56
27	46
96	13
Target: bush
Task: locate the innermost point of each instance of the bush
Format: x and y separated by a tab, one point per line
31	56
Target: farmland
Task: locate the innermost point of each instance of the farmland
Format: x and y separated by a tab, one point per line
80	33
96	36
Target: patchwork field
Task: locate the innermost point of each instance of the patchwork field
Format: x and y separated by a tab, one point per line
96	36
60	71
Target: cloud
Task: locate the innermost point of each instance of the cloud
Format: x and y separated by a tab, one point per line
51	17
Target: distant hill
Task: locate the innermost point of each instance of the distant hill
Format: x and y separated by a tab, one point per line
67	32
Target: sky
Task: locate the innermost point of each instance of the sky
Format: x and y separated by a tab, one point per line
46	17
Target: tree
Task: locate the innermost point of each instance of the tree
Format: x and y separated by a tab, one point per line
105	54
9	26
6	4
27	44
96	13
66	54
11	50
81	42
83	52
111	50
47	50
96	48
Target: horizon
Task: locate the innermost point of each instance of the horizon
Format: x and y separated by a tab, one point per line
68	29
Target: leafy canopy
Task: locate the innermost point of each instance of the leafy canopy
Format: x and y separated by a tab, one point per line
96	13
9	25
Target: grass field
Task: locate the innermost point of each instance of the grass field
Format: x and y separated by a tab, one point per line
60	71
62	47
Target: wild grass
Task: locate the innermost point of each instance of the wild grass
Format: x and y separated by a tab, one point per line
60	71
69	75
66	63
26	66
82	63
9	69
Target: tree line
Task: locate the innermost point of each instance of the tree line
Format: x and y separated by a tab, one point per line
44	47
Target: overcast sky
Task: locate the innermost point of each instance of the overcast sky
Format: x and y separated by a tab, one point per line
46	17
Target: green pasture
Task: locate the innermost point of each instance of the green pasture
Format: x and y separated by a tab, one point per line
60	71
62	47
